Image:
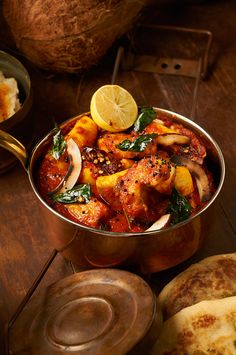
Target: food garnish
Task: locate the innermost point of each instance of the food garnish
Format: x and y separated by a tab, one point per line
160	223
138	145
113	108
75	165
74	169
59	144
104	161
147	115
80	194
179	207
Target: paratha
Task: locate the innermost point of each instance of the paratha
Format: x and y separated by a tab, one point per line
206	328
212	278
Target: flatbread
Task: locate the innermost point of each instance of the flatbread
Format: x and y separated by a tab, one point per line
212	278
206	328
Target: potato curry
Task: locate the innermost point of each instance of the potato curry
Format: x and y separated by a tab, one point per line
146	178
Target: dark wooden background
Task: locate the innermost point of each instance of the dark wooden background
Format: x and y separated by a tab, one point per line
24	247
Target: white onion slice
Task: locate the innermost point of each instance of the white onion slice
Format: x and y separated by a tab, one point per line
160	223
76	162
158	121
199	174
172	138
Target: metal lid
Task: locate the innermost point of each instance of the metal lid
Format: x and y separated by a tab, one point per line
103	311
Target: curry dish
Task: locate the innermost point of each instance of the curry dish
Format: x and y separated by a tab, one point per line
146	178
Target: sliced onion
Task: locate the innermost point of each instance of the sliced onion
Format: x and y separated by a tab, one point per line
76	164
199	174
160	223
61	184
172	138
158	121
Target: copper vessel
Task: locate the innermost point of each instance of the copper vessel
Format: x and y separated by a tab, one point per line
149	252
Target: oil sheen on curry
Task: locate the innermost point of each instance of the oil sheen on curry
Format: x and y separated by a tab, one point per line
146	178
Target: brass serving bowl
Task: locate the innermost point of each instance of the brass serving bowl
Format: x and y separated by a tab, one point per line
20	124
149	251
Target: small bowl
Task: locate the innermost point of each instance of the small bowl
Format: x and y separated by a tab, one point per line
20	124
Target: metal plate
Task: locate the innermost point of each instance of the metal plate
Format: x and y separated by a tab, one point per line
102	311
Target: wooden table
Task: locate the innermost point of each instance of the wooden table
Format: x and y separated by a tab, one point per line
24	246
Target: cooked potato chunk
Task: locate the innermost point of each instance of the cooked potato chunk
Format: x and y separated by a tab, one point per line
84	132
183	181
106	187
108	181
108	142
127	163
156	127
90	214
87	175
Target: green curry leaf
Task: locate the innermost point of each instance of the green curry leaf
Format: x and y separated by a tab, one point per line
79	194
146	116
138	145
179	207
59	145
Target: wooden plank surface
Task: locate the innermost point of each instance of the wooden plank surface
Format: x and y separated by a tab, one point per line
24	247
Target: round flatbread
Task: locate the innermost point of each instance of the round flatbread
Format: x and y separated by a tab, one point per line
212	278
206	328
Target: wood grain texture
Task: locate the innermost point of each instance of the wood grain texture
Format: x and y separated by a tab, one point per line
24	247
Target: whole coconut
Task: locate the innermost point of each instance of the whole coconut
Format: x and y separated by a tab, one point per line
68	35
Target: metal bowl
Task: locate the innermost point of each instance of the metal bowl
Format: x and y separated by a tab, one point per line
20	124
148	251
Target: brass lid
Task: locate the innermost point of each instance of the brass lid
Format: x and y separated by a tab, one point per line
103	311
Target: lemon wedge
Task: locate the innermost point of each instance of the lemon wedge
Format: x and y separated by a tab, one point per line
113	108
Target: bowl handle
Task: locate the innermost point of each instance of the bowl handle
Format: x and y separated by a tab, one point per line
11	144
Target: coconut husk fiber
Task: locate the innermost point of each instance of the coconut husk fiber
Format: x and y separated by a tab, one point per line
68	36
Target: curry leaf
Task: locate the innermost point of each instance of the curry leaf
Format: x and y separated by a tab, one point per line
80	194
59	145
179	207
146	116
138	145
